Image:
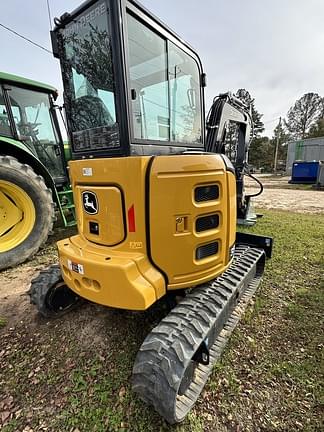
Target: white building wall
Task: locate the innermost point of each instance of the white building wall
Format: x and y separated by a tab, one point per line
308	150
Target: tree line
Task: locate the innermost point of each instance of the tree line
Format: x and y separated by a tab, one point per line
305	119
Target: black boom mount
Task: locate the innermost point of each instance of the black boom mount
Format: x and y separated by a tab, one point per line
227	109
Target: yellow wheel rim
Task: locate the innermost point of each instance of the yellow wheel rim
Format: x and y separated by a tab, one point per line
17	215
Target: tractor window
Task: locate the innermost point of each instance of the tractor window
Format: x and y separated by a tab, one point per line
34	123
16	113
31	111
149	82
165	88
4	120
89	81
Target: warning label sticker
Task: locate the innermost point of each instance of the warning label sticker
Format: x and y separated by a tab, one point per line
77	268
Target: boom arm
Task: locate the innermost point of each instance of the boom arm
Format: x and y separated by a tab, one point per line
228	108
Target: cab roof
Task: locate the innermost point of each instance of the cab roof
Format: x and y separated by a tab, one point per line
69	16
25	82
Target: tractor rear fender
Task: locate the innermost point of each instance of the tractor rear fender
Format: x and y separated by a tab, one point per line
11	147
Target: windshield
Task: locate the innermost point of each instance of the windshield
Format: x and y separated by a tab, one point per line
89	82
34	123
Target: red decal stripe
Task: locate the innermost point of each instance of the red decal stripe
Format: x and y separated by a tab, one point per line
131	219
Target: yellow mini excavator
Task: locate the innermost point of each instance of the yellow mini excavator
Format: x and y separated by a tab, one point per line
156	196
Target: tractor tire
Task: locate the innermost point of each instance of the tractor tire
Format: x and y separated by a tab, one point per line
26	212
50	295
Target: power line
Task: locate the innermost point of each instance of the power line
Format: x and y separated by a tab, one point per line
25	38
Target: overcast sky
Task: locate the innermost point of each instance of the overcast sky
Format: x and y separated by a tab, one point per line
273	48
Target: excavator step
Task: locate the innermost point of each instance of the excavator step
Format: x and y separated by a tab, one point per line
166	373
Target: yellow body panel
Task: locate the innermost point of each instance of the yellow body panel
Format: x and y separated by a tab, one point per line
123	280
232	211
127	279
126	174
173	181
148	240
110	211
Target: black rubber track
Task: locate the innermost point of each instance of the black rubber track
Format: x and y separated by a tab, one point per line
209	313
42	289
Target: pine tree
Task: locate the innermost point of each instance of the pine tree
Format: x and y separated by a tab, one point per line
317	129
261	153
304	114
245	97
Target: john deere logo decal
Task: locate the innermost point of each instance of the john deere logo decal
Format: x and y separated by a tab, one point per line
90	202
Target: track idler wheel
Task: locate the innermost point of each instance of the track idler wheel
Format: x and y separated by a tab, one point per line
49	293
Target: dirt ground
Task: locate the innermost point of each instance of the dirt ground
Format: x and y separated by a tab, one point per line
14	283
278	194
13	297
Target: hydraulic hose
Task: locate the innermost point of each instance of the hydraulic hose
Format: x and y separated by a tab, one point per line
259	183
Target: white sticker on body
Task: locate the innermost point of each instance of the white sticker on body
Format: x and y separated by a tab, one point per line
87	172
77	268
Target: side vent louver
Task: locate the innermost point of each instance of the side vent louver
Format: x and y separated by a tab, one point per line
206	193
206	250
205	223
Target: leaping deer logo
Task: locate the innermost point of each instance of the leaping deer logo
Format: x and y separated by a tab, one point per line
90	202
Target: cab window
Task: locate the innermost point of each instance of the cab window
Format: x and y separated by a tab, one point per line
185	110
165	88
149	82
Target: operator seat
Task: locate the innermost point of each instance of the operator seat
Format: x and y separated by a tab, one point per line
90	112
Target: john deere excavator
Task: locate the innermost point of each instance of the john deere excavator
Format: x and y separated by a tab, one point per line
156	196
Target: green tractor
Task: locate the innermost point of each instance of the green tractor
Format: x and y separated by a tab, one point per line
33	174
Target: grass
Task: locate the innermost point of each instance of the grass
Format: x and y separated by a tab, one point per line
276	357
75	374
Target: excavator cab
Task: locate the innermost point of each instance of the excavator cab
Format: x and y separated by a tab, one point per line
156	207
132	86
